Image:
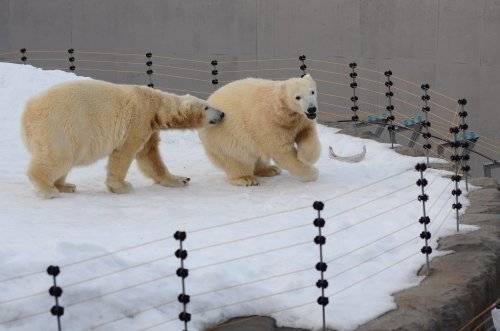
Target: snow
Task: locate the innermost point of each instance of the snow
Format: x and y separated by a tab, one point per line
251	250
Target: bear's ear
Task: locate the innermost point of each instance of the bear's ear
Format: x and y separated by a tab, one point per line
308	77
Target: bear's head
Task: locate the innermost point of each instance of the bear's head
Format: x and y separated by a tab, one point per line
187	112
300	95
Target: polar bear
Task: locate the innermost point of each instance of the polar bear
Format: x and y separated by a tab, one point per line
80	122
265	120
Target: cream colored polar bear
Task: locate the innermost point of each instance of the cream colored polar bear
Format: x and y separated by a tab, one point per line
80	122
265	120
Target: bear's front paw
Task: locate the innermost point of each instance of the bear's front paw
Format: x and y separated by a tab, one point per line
310	175
174	181
119	187
244	181
48	193
308	155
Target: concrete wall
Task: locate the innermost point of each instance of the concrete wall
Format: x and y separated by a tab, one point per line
450	44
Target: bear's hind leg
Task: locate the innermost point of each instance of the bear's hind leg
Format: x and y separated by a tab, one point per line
43	176
150	163
265	169
62	186
240	173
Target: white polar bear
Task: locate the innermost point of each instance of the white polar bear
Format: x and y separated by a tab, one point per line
80	122
264	120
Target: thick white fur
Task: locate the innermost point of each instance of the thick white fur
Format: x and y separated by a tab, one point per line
264	121
78	123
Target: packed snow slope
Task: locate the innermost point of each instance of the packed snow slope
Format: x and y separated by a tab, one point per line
251	249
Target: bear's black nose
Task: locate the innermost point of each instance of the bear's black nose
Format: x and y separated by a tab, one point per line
311	110
222	115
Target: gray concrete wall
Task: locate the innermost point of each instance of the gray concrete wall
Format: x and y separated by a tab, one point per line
450	44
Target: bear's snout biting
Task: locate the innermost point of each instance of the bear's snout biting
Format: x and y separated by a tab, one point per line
215	115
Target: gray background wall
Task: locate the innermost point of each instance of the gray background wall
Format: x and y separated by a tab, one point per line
454	45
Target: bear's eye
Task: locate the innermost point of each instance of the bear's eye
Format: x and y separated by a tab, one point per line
206	108
297	98
312	92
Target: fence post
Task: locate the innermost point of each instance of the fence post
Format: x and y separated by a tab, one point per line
23	55
303	66
182	273
456	178
56	292
215	72
149	71
425	220
354	97
71	59
389	94
321	266
426	109
465	145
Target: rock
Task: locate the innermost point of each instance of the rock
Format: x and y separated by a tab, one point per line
252	323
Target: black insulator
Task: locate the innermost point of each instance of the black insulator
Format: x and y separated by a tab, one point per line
353	85
424	87
462	102
457	205
462	114
390	108
421	167
354	98
72	59
464	145
422	182
323	301
303	67
423	197
184	298
427	124
353	65
57	311
456	178
427	135
355	118
71	51
215	81
424	220
388	83
151	85
426	109
180	235
318	205
426	97
389	94
185	317
215	72
322	283
454	129
55	291
23	50
427	146
456	144
24	58
53	270
302	58
354	108
149	72
426	250
149	55
320	240
72	68
181	272
388	73
463	126
425	235
214	62
455	158
149	63
319	222
391	118
456	192
466	157
302	76
321	266
466	168
353	75
391	127
181	254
